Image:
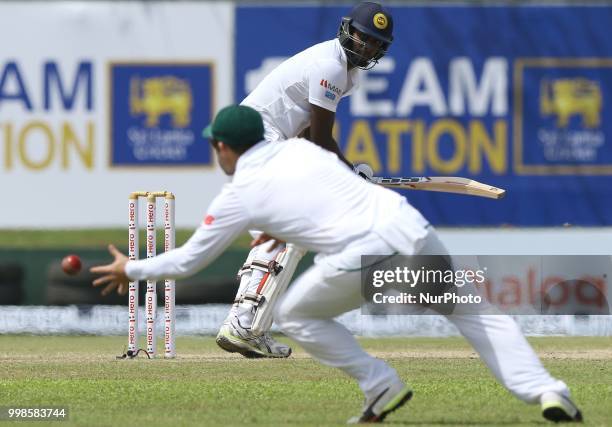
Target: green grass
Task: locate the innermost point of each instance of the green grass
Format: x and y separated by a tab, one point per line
205	386
85	238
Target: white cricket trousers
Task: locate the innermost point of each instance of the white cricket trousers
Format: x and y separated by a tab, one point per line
307	310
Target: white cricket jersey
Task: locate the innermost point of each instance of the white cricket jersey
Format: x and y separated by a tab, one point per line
317	75
297	192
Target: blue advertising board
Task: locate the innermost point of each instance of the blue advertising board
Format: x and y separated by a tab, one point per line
511	96
157	111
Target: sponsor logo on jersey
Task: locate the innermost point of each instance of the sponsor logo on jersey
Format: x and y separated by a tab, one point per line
209	219
330	95
329	86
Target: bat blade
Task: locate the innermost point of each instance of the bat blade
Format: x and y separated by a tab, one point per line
446	184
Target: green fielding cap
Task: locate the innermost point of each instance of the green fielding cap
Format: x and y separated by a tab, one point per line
236	125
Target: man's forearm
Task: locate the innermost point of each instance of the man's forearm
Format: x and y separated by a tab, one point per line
174	264
321	130
198	252
333	146
341	155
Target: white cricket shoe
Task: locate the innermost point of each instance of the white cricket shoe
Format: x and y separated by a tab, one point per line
235	338
559	408
376	409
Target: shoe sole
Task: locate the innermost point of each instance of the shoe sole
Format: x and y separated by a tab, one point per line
557	414
227	345
395	404
398	401
232	346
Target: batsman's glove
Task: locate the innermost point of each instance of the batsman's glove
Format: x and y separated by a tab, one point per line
364	171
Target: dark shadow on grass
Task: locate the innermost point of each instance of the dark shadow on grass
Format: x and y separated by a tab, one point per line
462	423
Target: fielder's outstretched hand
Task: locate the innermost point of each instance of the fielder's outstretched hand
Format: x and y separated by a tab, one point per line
114	276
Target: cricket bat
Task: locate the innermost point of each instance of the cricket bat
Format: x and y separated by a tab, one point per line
446	184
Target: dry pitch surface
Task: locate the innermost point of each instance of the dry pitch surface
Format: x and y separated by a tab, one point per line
206	386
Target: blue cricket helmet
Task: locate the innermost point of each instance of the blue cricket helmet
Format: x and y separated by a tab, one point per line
373	20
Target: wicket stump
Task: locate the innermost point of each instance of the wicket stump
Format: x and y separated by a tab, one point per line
151	294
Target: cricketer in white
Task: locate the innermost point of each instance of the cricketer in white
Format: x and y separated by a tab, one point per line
299	98
302	194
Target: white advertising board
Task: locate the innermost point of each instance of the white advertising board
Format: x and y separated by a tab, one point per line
99	99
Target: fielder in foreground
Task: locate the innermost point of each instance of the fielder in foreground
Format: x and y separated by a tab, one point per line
302	194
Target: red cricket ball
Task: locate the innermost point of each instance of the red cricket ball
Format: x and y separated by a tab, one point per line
71	264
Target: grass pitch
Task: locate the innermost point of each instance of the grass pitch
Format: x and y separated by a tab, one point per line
208	387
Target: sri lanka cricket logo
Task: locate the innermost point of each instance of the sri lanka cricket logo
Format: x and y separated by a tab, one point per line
569	97
157	110
156	96
380	21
